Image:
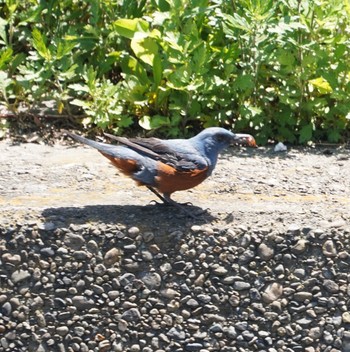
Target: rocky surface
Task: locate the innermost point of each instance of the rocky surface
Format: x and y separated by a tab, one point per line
86	264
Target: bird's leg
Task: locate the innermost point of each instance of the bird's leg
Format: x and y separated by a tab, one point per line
168	201
163	199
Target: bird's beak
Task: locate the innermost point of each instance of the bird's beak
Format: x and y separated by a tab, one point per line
245	140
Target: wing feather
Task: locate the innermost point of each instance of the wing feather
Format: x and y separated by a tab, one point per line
175	153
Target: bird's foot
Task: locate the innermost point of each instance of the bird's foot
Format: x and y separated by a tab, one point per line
166	200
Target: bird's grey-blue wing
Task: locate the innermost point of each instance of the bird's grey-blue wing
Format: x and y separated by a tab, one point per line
178	153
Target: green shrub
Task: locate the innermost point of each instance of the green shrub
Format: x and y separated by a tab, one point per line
279	70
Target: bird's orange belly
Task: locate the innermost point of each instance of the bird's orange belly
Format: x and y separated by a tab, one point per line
169	180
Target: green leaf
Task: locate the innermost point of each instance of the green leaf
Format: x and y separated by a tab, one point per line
306	133
132	66
145	49
40	45
244	82
163	5
152	122
157	70
78	87
321	85
3	32
5	56
128	27
64	48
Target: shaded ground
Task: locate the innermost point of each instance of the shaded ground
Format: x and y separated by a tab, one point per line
88	264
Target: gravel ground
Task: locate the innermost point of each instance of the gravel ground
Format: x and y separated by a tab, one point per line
87	264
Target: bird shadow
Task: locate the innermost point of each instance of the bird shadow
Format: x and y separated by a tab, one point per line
148	216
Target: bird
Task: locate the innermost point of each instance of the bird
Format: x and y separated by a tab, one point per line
166	166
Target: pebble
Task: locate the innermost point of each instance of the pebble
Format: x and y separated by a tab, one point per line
272	292
152	280
19	276
329	249
112	256
14	259
299	247
265	251
6	309
131	315
331	286
294	229
241	285
133	231
82	302
176	288
74	241
176	333
346	317
302	296
220	270
62	330
194	346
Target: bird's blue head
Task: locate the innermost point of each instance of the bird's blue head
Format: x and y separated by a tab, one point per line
213	140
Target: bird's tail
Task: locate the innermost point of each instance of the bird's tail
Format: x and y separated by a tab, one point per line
102	147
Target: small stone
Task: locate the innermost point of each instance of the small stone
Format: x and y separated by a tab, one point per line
104	346
47	252
133	231
279	269
192	303
265	251
147	256
82	302
148	236
331	286
299	247
20	275
74	241
329	249
193	346
220	270
176	333
169	293
80	255
112	256
6	309
132	314
241	285
299	272
196	228
14	259
231	332
302	296
272	292
100	269
247	335
92	246
62	330
47	226
135	348
293	229
152	280
40	318
346	317
165	268
126	279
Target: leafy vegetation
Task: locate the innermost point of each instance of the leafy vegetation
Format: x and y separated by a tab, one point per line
278	69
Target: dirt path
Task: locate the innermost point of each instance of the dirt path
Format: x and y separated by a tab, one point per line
311	184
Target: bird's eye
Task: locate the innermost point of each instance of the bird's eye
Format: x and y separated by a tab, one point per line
220	138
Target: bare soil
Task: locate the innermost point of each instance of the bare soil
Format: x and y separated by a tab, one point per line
248	187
